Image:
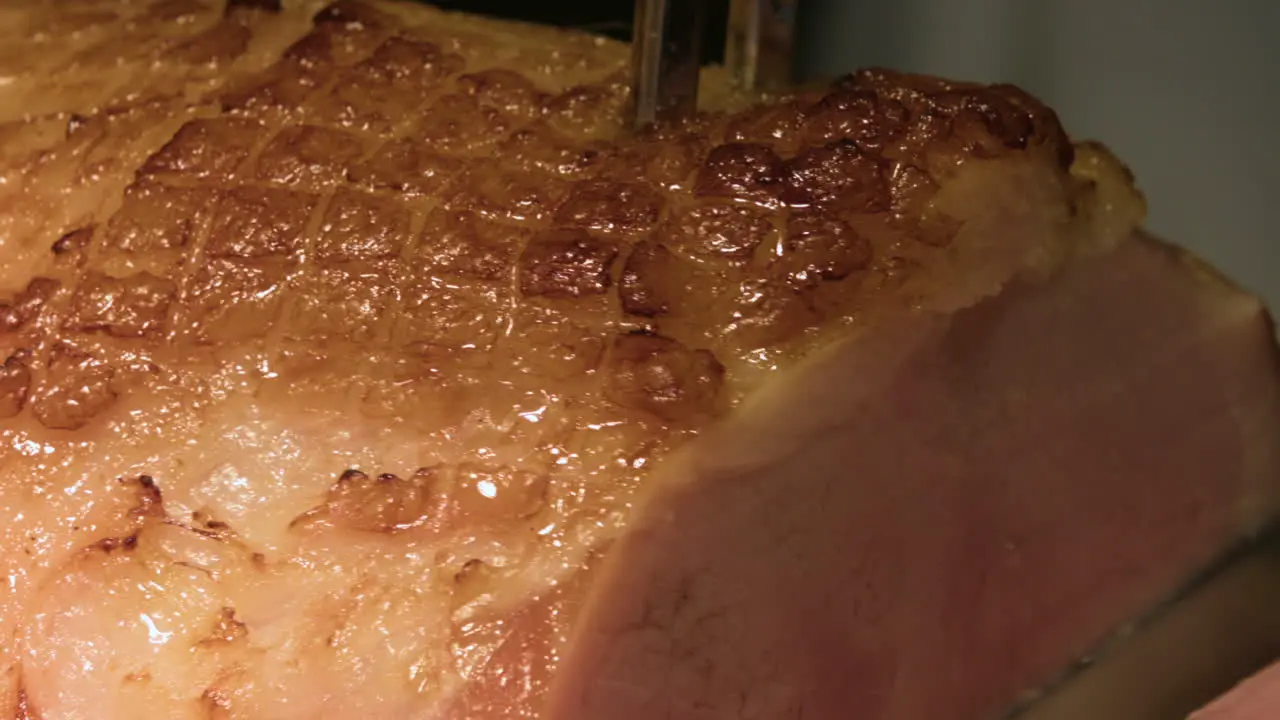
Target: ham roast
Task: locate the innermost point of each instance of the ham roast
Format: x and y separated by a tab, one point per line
361	362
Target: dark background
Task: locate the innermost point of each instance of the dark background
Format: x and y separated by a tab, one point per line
606	17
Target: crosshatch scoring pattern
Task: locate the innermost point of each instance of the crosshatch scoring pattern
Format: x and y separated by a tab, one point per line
376	188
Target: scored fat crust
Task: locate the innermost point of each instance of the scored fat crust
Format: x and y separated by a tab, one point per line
369	327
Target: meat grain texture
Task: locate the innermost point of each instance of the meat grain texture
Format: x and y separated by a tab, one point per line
362	363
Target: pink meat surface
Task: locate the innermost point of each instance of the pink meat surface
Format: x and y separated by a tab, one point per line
927	526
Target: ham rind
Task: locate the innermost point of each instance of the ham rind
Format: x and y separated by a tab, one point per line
358	360
1257	698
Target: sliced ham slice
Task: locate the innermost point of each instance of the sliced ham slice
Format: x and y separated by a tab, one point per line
929	524
358	360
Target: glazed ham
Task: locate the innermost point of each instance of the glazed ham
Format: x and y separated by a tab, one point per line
361	362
